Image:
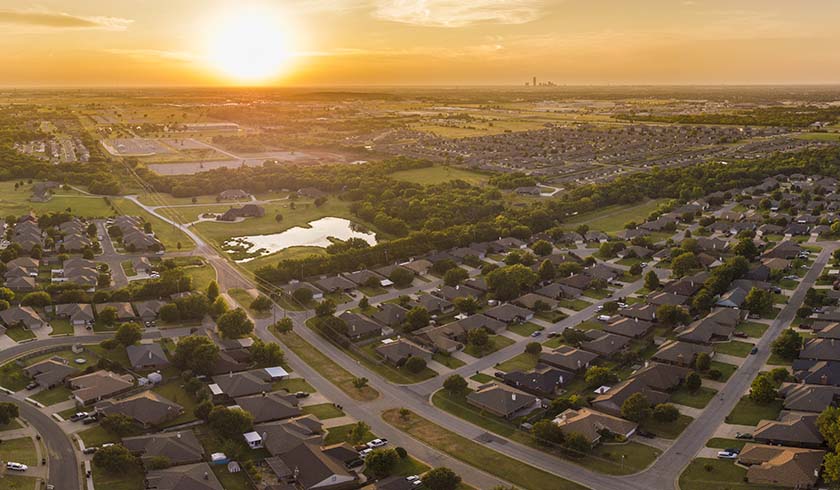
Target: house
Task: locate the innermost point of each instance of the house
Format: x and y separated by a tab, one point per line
791	429
146	356
364	277
390	314
503	401
611	401
568	358
434	304
446	338
639	311
246	211
680	353
234	195
198	476
733	298
178	448
78	314
315	469
605	344
148	310
21	283
821	350
98	385
235	385
451	293
781	466
543	381
124	310
147	408
557	290
661	377
359	326
663	298
808	398
22	316
717	326
479	320
510	314
50	373
629	327
592	424
293	286
418	266
784	250
268	407
281	436
335	284
397	351
816	372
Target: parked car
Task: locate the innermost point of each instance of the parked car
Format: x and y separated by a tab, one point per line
89	420
354	463
364	452
377	443
536	334
301	394
78	416
11	465
728	454
646	434
604	318
90	450
32	386
743	435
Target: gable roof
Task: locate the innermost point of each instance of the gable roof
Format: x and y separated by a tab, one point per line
590	423
500	399
180	447
196	476
791	429
783	466
147	408
270	406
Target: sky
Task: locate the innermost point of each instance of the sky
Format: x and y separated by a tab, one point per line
417	42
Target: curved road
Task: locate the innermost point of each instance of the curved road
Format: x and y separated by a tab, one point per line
667	467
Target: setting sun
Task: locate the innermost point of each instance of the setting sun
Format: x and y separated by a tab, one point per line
249	46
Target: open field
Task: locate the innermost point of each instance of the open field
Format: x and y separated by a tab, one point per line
440	174
17	202
611	219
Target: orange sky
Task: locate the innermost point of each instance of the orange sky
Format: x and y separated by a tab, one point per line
417	42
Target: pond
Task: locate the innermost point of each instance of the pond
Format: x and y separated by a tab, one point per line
318	234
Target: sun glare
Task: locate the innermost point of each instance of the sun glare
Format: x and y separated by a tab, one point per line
249	47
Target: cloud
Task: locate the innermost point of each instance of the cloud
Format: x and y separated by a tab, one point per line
61	20
155	54
458	13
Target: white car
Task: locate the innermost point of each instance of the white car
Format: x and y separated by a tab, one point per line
728	454
604	318
376	443
11	465
364	452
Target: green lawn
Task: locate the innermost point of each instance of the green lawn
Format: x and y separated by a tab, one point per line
667	430
748	412
495	342
323	411
439	174
574	304
244	299
293	385
12	377
52	396
61	327
133	479
13	425
128	268
517	472
752	329
20	450
447	360
17	482
611	219
166	233
326	367
525	329
698	399
201	276
173	391
522	362
19	334
735	348
725	369
96	436
231	481
341	433
482	378
409	466
597	293
724	443
777	360
707	474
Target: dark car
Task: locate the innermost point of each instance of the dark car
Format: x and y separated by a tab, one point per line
354	463
754	350
301	394
89	420
743	435
90	450
32	386
646	434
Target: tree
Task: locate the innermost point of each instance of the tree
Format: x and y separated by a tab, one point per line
546	432
455	276
401	277
600	376
533	348
116	459
380	462
467	305
360	383
415	364
8	412
168	313
763	390
266	354
212	290
203	409
542	248
759	301
7	294
235	324
636	407
577	444
831	463
261	303
703	300
364	303
693	382
702	362
455	384
635	269
218	308
417	317
197	354
672	315
118	424
478	337
302	295
666	412
828	424
746	248
230	422
108	315
358	433
441	478
38	299
325	308
129	334
787	344
284	325
507	282
546	272
684	263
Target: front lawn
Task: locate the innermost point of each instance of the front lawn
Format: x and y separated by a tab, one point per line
61	326
173	391
341	433
19	334
574	304
525	329
293	385
96	436
409	466
17	482
494	343
752	329
697	399
52	396
20	450
597	293
522	362
725	369
667	430
748	412
12	377
482	378
323	411
724	443
735	348
708	473
448	360
133	479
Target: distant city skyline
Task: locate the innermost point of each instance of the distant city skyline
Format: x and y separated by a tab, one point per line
417	42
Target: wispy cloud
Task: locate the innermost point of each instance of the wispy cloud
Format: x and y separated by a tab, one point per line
458	13
155	54
61	20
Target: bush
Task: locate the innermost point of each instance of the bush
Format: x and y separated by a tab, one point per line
714	374
415	364
666	412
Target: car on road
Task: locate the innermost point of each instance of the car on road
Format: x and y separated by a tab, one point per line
728	454
376	443
536	334
754	351
78	416
11	465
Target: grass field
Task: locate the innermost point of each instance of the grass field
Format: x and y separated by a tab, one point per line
522	362
514	471
52	396
752	329
126	480
20	450
17	482
341	433
447	360
16	202
667	430
439	174
244	299
748	412
707	473
724	443
611	219
734	348
525	329
481	378
698	399
96	436
323	411
326	367
725	369
293	385
201	276
173	391
61	327
19	334
494	343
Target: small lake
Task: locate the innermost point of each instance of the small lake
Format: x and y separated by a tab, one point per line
317	234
